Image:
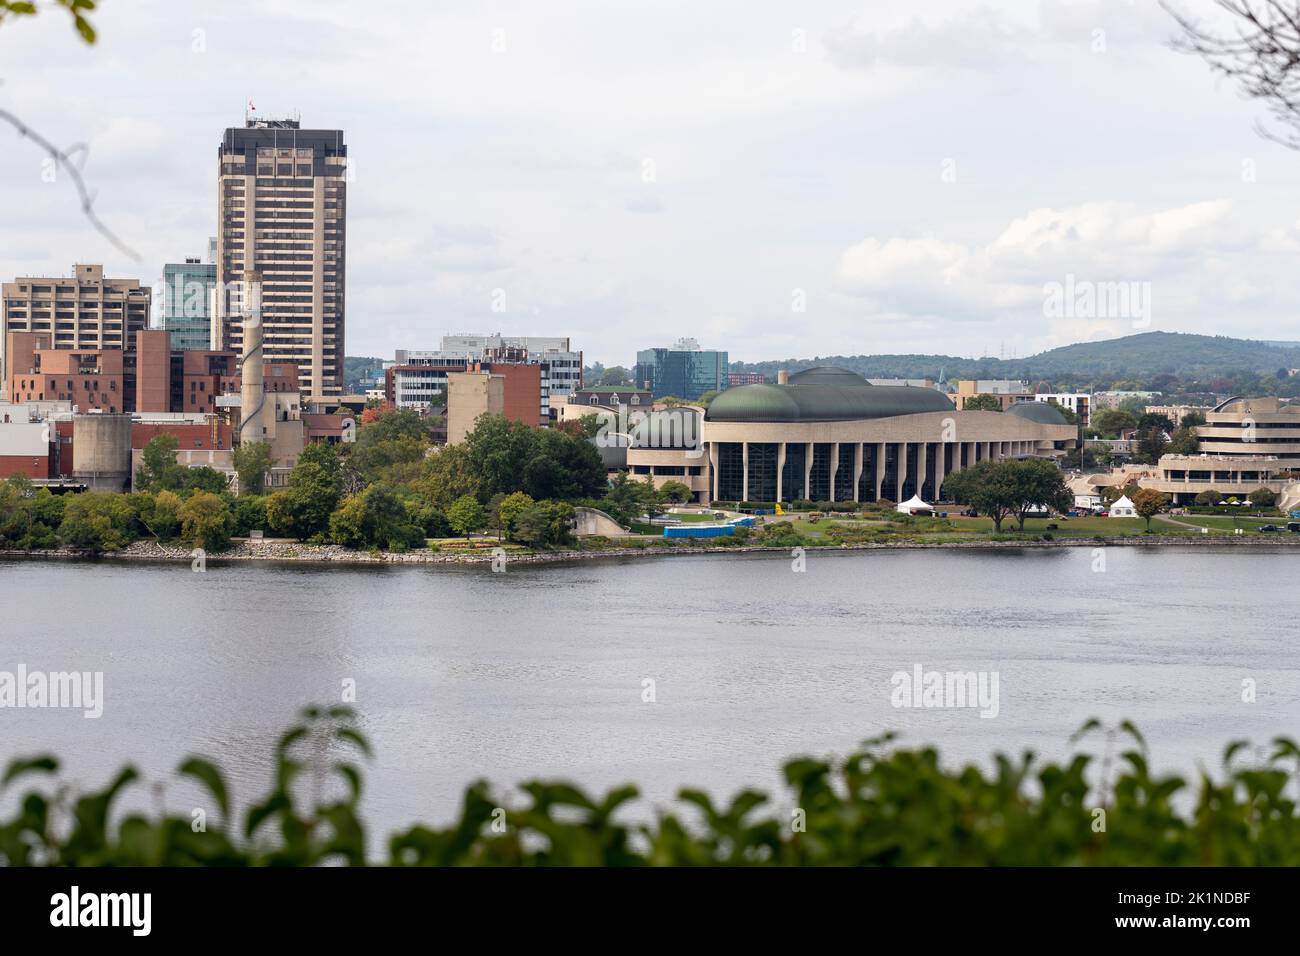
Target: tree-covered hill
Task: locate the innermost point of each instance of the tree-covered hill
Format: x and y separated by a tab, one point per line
1131	358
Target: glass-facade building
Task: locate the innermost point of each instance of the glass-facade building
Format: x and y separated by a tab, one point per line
684	370
187	294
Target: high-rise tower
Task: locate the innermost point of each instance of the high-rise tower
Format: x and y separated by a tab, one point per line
282	201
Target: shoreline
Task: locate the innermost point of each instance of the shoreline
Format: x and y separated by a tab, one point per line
325	555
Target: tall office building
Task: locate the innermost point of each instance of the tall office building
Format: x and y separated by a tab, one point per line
85	311
683	370
282	196
188	289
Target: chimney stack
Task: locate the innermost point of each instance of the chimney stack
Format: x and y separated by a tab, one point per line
252	395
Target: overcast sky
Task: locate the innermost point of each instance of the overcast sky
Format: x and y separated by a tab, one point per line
911	173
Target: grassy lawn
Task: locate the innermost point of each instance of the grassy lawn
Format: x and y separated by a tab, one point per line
1225	524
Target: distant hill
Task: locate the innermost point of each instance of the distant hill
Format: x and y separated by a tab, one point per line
357	368
1131	358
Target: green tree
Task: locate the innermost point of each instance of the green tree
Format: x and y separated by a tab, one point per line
1262	498
158	514
983	403
651	498
1010	488
1147	503
1184	441
96	521
511	507
202	478
303	509
247	514
986	488
623	498
158	469
465	515
676	491
545	524
205	521
1208	498
375	517
616	375
1109	422
252	463
1037	483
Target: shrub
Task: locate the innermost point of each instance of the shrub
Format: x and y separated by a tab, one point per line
879	806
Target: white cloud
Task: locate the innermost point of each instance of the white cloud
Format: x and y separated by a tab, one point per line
774	161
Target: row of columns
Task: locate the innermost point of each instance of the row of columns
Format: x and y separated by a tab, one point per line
975	452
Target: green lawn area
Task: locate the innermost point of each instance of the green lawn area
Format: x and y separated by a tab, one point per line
1225	524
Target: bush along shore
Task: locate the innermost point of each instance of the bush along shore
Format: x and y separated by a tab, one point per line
879	806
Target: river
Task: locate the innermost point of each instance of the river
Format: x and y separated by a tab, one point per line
462	673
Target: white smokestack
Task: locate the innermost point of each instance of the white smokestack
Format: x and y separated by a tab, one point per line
252	395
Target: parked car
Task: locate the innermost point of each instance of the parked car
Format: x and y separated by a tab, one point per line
1269	528
1293	526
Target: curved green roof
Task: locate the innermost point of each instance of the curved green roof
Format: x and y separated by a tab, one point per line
828	375
1042	413
823	395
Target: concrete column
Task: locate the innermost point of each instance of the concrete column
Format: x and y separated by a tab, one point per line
713	471
780	467
902	470
940	462
880	467
744	473
807	469
857	470
835	467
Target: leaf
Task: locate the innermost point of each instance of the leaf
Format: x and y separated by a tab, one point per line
19	766
347	733
209	775
1231	750
1089	725
1131	729
352	774
264	811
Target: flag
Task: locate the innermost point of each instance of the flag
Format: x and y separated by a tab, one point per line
251	107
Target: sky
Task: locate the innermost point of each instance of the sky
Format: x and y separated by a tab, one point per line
777	179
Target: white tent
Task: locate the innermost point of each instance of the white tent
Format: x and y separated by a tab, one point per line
1122	508
915	505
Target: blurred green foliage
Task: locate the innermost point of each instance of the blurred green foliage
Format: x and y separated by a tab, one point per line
880	806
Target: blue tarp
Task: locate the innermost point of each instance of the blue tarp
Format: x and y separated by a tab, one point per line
699	531
707	530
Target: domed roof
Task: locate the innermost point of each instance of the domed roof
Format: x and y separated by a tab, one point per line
828	375
823	395
1042	413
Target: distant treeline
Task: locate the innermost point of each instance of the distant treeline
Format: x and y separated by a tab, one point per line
1163	361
